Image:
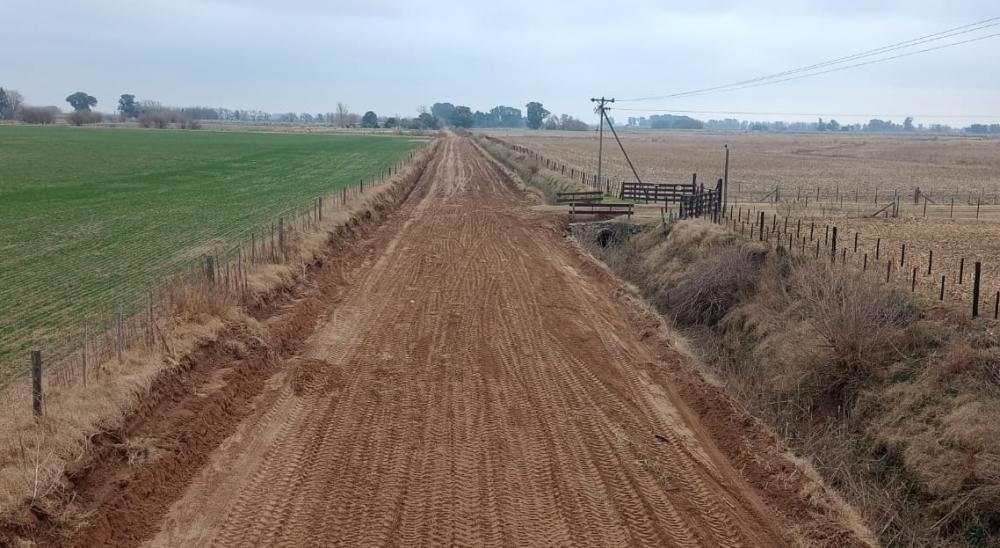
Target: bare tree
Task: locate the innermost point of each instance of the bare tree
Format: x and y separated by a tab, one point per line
10	104
342	115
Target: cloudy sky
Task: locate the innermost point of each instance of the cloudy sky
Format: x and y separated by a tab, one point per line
391	56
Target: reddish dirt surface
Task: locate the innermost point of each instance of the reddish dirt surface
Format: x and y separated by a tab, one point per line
466	377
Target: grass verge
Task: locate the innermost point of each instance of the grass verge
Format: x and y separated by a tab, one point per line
895	401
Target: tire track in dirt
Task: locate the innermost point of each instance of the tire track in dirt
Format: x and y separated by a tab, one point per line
479	385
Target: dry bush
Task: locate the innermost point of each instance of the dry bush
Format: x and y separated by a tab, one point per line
158	120
39	115
859	321
82	117
713	286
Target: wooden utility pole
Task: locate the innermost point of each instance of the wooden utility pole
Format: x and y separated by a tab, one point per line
601	107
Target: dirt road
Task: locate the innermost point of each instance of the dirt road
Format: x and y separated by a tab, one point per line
479	385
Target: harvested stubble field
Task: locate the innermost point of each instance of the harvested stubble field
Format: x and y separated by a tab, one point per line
938	165
966	169
92	218
950	240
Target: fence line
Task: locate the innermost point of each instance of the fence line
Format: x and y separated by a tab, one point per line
761	232
103	336
791	234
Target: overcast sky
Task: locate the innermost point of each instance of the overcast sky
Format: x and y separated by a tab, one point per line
392	55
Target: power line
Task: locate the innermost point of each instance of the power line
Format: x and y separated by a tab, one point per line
781	76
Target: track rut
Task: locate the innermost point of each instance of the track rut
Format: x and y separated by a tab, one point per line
478	385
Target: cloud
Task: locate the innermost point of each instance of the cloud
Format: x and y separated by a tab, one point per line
392	55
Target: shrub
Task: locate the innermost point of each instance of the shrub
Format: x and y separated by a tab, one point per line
858	320
713	285
82	117
39	115
157	120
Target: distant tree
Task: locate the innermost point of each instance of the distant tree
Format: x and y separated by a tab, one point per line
552	122
833	125
342	115
536	114
391	122
506	116
306	118
670	121
908	123
80	101
369	120
443	111
426	121
569	123
462	117
319	118
127	106
10	104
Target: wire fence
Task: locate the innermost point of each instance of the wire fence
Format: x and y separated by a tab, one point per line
753	213
81	340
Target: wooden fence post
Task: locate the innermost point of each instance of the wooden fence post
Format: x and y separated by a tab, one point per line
833	246
930	261
941	298
961	270
761	231
977	271
281	236
996	307
120	336
36	383
83	356
902	256
913	283
855	242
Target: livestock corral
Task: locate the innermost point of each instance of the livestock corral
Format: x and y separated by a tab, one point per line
936	196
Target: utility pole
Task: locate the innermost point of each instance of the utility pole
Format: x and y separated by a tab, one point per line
601	109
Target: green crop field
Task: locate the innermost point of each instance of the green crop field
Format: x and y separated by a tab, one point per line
90	218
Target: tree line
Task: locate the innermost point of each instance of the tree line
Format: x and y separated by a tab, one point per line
875	125
535	116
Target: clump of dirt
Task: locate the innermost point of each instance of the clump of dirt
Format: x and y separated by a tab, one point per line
305	372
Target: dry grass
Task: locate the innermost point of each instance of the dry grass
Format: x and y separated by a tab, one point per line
759	162
35	454
897	404
532	172
841	166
